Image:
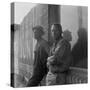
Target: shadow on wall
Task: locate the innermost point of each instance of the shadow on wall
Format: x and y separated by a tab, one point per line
79	51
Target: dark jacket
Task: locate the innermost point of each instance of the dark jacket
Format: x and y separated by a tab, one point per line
40	67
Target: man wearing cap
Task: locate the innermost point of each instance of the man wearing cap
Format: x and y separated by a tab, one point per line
40	59
60	57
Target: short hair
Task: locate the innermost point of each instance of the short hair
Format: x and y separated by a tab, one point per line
58	26
66	32
39	28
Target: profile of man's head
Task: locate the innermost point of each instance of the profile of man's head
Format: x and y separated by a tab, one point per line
56	31
67	35
38	31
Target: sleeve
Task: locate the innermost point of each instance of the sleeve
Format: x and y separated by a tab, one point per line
40	68
58	54
62	51
62	57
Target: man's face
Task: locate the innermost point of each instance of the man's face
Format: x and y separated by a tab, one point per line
55	32
36	34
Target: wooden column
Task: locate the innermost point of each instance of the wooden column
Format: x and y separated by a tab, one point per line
53	18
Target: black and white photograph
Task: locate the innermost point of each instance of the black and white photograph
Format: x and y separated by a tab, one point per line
49	44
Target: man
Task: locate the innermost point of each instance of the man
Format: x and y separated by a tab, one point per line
60	57
67	35
41	54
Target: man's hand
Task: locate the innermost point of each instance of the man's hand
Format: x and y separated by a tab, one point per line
50	60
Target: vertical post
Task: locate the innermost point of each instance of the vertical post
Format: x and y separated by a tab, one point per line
53	18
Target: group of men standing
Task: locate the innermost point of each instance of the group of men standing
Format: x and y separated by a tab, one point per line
51	62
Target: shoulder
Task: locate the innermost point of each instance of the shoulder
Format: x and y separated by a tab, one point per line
64	42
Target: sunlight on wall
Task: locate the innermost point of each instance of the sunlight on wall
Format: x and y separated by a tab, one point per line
21	9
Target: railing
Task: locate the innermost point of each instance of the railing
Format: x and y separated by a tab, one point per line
77	75
74	76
